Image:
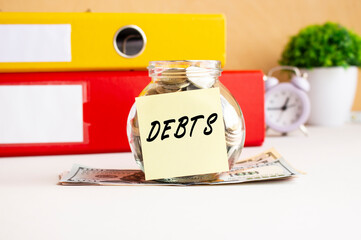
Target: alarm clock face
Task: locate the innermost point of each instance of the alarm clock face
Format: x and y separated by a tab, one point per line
286	107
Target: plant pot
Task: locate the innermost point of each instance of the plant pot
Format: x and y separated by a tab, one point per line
332	94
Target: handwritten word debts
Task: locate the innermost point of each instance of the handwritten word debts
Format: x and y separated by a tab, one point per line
181	126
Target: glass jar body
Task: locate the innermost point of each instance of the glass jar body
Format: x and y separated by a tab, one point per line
175	76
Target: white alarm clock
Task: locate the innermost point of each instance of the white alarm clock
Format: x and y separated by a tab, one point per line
287	106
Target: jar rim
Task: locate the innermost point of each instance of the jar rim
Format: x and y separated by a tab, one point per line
194	68
208	64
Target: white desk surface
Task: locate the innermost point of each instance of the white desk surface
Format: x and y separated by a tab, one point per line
323	204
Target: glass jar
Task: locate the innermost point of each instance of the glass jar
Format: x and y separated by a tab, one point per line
177	76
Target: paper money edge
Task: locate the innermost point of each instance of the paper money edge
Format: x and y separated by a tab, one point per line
67	175
278	156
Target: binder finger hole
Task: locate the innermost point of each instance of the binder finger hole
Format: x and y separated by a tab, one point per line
129	41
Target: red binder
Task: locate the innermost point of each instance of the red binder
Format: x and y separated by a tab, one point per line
104	99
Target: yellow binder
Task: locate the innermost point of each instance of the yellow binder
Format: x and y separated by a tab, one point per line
106	41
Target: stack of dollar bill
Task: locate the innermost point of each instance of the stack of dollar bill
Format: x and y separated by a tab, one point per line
268	165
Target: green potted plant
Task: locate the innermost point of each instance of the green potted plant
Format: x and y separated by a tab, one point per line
330	55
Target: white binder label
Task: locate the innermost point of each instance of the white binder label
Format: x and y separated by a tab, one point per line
35	42
41	114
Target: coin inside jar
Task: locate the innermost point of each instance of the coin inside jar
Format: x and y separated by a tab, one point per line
151	91
200	77
161	89
173	76
135	127
175	86
231	119
171	80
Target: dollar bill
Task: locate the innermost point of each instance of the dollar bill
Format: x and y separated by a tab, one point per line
267	156
268	165
82	175
272	170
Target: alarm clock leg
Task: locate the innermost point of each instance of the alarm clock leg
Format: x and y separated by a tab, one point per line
304	130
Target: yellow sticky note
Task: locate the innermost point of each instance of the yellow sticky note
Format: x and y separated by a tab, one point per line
182	133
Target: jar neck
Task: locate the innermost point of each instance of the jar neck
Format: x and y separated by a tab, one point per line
179	71
181	79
